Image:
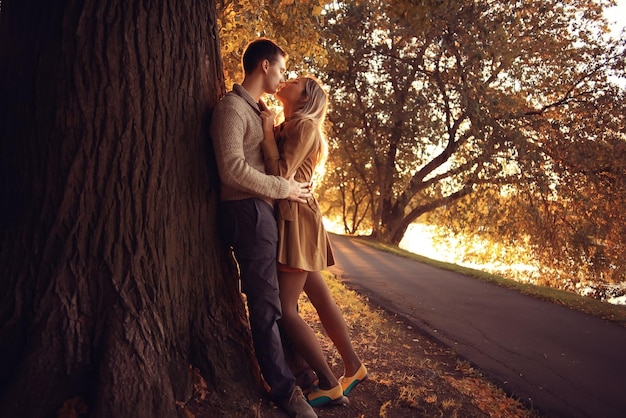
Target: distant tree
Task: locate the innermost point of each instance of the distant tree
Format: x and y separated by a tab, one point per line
350	194
436	101
113	281
576	228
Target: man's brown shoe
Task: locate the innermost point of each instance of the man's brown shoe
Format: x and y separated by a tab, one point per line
296	405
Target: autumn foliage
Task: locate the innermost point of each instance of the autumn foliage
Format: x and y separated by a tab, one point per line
501	121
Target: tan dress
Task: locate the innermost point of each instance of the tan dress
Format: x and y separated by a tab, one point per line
302	240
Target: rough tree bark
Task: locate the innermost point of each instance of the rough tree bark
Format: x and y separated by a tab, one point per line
112	277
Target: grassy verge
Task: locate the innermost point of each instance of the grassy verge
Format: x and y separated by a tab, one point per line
571	300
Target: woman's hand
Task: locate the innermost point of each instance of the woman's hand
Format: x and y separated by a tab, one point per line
267	116
267	120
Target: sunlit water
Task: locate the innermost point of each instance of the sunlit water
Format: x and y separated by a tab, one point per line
420	239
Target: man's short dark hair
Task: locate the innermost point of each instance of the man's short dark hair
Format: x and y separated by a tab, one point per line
259	50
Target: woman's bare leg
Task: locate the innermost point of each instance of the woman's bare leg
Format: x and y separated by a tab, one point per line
332	320
301	334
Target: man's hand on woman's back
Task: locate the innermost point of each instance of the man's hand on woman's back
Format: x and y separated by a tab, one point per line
299	192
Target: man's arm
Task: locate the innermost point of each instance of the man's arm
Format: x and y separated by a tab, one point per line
227	133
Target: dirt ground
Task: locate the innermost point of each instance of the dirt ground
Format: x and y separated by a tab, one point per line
410	375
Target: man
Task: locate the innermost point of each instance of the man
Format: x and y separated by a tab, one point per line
246	212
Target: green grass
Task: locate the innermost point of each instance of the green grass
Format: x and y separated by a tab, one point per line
604	310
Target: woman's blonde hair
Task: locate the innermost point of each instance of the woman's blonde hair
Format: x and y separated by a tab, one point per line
314	109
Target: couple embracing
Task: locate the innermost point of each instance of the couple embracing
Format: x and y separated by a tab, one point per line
273	224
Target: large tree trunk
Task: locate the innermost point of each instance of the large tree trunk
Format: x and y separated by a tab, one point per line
113	280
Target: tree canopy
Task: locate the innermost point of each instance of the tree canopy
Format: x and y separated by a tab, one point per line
295	25
498	119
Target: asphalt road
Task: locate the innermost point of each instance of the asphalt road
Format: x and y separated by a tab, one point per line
563	363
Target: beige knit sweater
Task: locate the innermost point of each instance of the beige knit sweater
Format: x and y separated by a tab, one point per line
237	134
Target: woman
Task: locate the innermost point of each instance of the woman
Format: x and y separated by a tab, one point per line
297	146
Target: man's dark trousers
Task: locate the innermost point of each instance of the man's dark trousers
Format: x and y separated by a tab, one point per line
249	227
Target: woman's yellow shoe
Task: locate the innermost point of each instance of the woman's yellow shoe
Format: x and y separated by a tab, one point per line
321	397
348	383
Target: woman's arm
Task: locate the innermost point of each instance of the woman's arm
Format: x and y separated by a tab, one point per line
300	141
267	118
